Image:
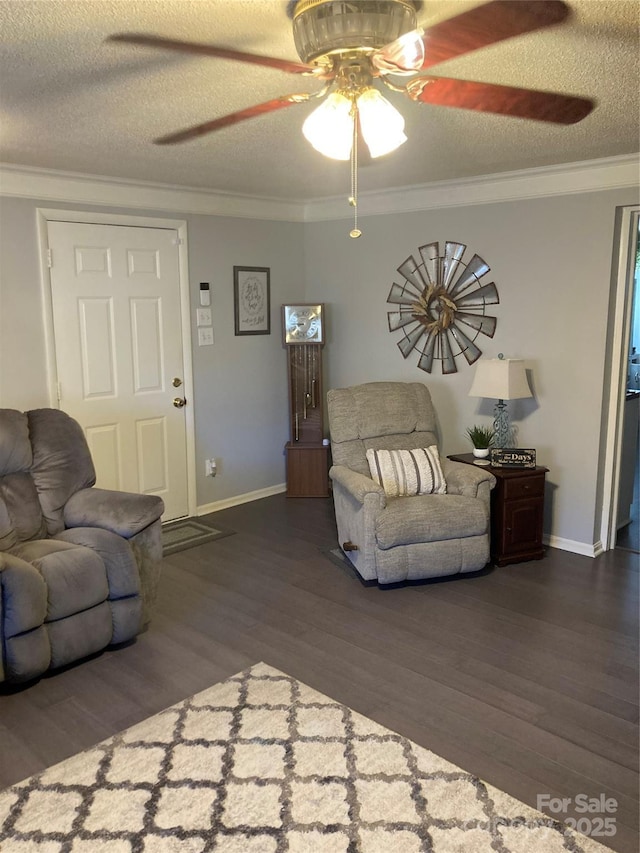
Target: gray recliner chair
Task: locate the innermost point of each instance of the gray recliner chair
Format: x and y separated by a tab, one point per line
409	536
79	566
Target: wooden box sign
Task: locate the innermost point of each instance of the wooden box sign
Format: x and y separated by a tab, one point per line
513	458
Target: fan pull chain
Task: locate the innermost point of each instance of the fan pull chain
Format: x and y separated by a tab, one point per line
353	198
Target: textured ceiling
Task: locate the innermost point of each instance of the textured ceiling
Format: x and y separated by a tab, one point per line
69	101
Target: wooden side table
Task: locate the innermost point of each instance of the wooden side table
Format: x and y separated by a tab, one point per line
517	511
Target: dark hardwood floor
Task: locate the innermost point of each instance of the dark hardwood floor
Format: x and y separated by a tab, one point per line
526	675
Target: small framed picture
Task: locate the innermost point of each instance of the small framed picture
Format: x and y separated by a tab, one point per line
252	300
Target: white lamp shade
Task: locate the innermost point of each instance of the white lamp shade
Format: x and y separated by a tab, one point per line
381	124
500	379
329	128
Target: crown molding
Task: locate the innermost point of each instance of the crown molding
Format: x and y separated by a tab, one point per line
51	185
569	178
70	187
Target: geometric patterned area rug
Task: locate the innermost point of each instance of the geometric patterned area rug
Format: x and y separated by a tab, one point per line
187	533
262	763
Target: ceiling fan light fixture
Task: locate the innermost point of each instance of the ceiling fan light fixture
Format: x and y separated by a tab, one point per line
323	27
381	124
329	128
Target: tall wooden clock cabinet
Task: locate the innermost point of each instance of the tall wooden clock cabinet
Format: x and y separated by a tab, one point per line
306	455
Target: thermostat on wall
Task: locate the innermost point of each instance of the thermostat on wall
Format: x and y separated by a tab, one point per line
205	295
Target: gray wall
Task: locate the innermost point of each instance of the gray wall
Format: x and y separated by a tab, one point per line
240	382
551	260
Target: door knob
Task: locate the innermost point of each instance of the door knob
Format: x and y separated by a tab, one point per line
179	402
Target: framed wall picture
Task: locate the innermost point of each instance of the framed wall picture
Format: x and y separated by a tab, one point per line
252	300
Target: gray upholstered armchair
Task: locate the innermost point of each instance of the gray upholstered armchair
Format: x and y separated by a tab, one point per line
78	565
405	536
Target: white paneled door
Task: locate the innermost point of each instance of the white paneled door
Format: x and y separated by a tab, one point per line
118	343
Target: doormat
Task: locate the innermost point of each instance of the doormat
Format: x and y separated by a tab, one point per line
187	533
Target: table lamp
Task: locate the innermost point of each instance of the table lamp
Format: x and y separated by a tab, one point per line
501	379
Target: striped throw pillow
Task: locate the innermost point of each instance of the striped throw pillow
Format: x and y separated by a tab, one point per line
407	472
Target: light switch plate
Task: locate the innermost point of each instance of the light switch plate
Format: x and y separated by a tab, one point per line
203	316
205	336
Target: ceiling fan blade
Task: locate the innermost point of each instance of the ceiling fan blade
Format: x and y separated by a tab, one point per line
488	24
231	118
211	50
504	100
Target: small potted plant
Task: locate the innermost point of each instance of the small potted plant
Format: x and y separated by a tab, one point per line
481	438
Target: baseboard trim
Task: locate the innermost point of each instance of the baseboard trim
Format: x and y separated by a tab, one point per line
246	498
575	547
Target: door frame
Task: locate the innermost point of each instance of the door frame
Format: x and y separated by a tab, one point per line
46	215
628	220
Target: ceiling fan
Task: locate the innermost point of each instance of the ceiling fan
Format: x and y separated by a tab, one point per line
349	44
